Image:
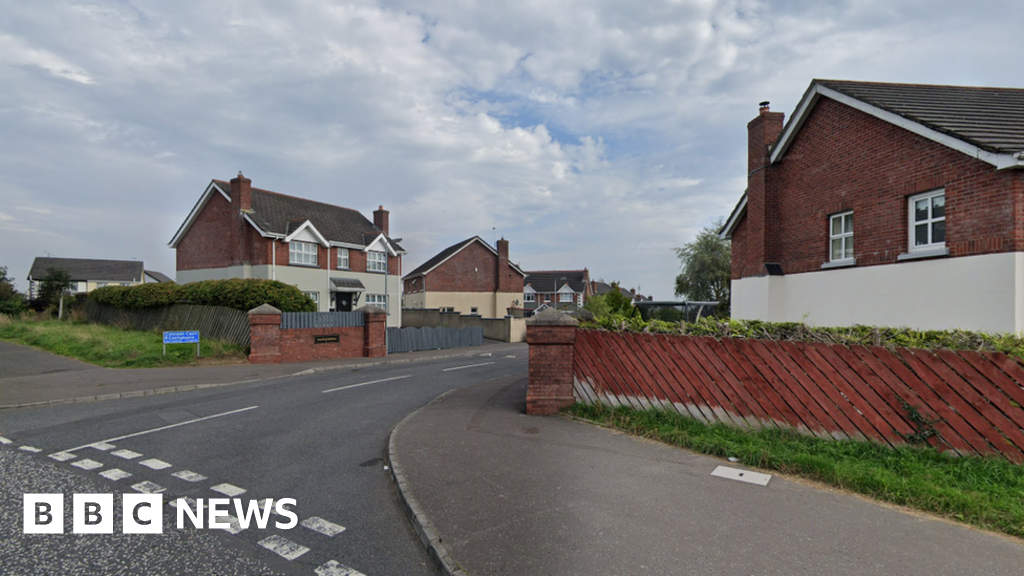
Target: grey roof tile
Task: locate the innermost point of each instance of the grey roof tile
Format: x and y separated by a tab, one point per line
550	281
89	269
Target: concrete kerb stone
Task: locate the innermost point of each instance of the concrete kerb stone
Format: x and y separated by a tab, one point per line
425	529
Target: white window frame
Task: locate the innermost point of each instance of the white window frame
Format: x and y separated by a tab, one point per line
343	261
844	236
474	310
316	298
929	222
376	261
529	297
379	300
303	253
566	297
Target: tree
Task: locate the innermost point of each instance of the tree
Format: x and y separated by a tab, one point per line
11	301
54	285
705	268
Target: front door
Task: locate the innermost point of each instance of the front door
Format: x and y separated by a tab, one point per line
343	301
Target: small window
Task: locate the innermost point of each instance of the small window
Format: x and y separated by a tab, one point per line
343	258
101	284
529	297
565	297
379	300
928	221
376	262
302	253
473	310
315	296
841	237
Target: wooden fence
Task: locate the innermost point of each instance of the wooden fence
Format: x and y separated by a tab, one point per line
971	401
215	322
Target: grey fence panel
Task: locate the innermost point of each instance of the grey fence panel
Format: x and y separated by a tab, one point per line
293	320
215	322
428	338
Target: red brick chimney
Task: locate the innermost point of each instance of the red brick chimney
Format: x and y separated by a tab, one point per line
762	205
503	270
241	192
380	219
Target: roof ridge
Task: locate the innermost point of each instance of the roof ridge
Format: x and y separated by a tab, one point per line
914	84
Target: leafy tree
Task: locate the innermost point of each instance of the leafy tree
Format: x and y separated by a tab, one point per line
705	268
53	287
11	301
613	302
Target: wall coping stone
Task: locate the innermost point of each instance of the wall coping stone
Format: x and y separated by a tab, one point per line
551	317
264	309
370	309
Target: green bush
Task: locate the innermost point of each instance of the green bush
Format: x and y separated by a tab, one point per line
238	293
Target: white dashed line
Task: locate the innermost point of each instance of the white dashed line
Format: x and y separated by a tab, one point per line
102	446
31	449
467	366
126	454
115	474
148	487
329	529
63	456
742	475
4	440
228	490
283	547
168	427
333	568
155	464
86	464
189	476
366	383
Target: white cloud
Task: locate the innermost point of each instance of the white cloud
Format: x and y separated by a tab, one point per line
15	51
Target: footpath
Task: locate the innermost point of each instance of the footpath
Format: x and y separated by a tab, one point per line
30	377
494	491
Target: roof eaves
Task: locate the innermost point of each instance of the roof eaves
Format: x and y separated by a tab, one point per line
200	204
725	233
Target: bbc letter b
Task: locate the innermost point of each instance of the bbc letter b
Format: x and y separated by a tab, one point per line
44	514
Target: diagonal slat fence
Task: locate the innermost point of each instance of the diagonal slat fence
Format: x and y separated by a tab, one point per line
972	401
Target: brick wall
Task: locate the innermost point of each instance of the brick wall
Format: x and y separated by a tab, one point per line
207	244
843	159
473	269
551	336
270	344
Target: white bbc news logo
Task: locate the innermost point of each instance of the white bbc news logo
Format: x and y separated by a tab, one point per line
143	513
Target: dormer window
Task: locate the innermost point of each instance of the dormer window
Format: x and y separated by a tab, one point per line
302	253
376	261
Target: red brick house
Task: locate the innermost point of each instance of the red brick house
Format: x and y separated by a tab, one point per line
470	277
884	204
558	289
336	255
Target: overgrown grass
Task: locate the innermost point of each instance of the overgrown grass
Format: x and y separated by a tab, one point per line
987	492
113	347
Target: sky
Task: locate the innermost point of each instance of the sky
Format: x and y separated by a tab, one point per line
599	134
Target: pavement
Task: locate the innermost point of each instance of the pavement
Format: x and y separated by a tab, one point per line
494	491
30	377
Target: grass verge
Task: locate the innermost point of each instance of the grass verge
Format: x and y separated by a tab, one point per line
113	347
987	492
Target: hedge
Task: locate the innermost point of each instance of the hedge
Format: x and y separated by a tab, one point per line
238	293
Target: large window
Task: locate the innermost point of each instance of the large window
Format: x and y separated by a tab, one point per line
928	221
841	237
303	253
379	300
565	297
529	297
376	262
343	258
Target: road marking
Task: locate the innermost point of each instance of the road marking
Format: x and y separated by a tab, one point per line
102	446
168	427
63	456
189	476
283	547
31	449
510	356
4	440
467	366
333	568
742	475
366	383
126	454
155	464
86	464
190	502
228	490
148	487
115	474
268	502
233	526
317	524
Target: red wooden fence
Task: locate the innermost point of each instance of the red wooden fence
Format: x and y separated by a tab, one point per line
830	391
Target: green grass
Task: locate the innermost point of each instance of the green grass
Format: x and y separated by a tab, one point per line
113	347
986	492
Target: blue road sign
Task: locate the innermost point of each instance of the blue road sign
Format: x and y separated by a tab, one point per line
182	337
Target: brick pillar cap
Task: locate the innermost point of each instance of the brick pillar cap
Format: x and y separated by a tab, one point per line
264	309
551	317
370	309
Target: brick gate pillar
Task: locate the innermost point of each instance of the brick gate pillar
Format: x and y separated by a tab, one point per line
264	335
374	331
551	336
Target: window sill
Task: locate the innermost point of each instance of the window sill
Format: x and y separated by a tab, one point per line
929	253
304	265
839	263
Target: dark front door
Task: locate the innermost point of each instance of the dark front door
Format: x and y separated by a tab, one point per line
343	301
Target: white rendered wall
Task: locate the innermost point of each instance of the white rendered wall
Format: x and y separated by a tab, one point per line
983	293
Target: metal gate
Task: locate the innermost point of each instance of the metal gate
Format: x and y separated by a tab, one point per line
437	338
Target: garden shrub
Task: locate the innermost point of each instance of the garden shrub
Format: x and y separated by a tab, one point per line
238	293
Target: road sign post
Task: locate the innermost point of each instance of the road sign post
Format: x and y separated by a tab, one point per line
182	337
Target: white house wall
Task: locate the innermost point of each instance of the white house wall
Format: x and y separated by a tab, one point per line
983	293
